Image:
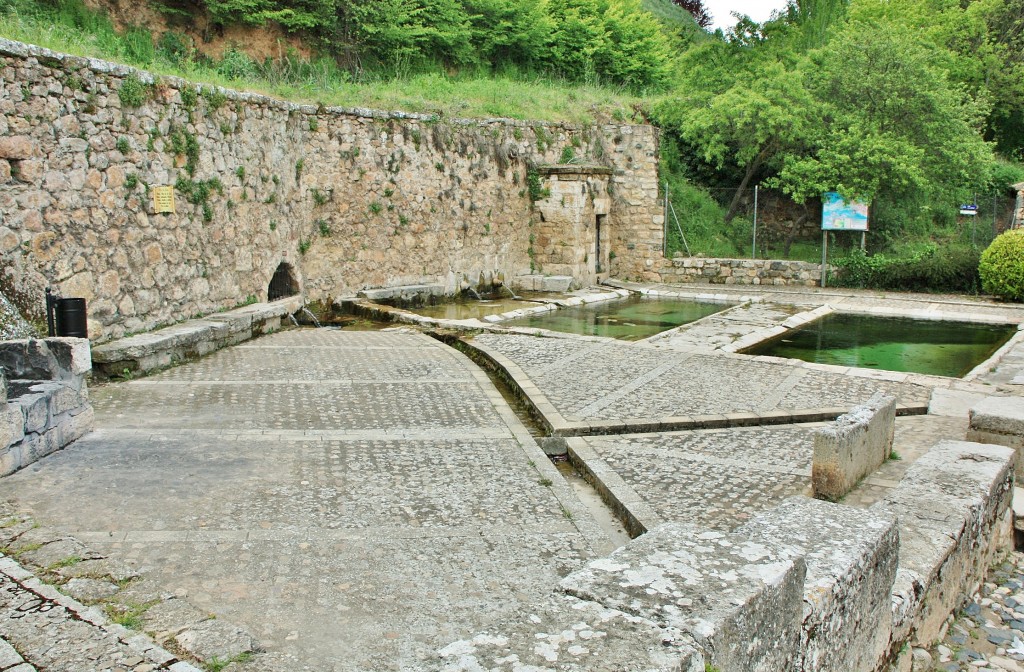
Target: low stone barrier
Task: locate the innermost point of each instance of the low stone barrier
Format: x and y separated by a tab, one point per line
999	420
740	271
851	448
190	340
851	556
808	585
44	401
953	507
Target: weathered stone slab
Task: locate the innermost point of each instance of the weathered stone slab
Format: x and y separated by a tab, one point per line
952	508
851	556
181	342
403	293
543	283
857	444
567	634
999	420
45	359
740	600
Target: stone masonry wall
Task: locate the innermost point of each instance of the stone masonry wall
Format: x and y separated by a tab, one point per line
349	198
739	271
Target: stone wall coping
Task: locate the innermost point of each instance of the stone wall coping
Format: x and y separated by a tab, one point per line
193	331
23	50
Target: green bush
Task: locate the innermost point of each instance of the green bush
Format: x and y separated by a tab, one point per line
950	269
1002	266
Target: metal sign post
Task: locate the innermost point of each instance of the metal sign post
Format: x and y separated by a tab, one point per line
824	255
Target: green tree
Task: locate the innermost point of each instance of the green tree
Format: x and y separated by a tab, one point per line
889	122
510	32
756	120
635	51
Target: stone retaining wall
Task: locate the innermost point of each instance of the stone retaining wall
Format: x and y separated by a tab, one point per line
44	401
999	420
348	198
739	271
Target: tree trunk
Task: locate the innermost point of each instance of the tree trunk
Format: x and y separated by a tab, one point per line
734	206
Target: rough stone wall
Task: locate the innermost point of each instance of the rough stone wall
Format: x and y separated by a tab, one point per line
350	198
637	223
1017	220
738	271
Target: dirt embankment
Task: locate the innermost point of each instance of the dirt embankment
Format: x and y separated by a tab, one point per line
190	19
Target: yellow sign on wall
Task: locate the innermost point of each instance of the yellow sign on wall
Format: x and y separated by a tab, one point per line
163	199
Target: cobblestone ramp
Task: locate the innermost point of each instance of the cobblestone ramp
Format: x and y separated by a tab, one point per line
354	500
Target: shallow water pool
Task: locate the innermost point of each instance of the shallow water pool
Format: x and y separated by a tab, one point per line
629	319
893	344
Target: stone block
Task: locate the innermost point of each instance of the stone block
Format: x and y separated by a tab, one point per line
951	505
852	447
851	556
35	409
567	634
3	389
72	355
17	147
999	420
740	600
10	459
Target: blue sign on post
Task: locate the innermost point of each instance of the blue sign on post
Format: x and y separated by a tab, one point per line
969	210
838	214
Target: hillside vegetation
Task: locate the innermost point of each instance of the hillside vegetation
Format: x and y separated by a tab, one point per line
562	60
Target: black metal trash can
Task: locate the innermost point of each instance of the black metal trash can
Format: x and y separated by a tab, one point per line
71	318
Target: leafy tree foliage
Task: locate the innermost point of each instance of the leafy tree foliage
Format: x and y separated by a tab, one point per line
883	101
616	41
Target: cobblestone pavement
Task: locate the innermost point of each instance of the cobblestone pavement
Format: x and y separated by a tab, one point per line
355	500
720	478
988	632
605	380
729	326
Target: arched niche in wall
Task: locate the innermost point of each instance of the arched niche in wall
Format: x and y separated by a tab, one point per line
284	283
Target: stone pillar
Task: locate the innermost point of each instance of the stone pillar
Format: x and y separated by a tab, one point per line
854	446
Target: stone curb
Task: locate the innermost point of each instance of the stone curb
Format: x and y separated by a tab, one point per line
138	643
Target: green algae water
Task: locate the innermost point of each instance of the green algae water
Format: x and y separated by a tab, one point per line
893	344
630	319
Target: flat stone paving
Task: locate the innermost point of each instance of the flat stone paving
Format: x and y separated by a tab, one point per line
720	478
612	380
355	500
358	500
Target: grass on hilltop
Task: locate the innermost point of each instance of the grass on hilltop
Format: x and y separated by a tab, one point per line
70	27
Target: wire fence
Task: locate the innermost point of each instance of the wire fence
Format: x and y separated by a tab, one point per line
765	224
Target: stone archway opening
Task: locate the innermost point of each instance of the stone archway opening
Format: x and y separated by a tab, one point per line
283	284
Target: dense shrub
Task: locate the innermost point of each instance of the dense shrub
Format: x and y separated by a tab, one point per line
951	269
1002	266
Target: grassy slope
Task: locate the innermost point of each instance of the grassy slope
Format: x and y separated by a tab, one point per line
539	97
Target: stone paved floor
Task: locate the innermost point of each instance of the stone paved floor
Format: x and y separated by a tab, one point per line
605	380
355	500
988	633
